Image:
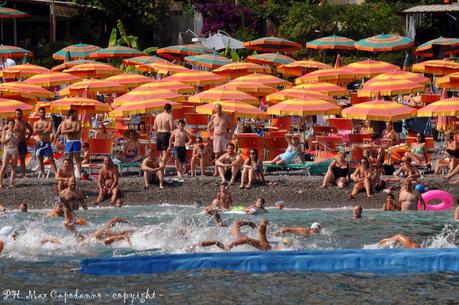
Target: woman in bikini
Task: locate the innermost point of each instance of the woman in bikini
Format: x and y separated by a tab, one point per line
418	153
131	149
252	170
338	172
362	178
10	152
294	149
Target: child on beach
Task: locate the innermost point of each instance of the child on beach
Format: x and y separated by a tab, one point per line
86	154
178	142
202	156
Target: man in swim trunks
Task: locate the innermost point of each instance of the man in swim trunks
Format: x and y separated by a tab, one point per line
224	201
42	131
107	182
63	174
73	197
178	143
229	164
153	170
313	229
408	198
20	128
71	129
164	124
221	132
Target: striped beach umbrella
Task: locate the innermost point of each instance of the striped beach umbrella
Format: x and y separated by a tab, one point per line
274	59
129	80
162	68
211	61
389	87
73	63
379	110
180	51
237	69
241	110
292	93
415	77
168	85
142	107
22	71
252	88
304	106
13	52
51	79
7	13
446	107
86	105
264	79
333	42
116	52
450	46
91	88
139	95
324	88
272	44
142	60
97	70
8	107
369	68
326	75
300	67
450	81
27	89
76	51
197	78
222	93
383	43
437	67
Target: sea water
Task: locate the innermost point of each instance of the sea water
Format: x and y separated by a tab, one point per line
36	273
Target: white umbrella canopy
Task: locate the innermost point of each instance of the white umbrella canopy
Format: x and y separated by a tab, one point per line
220	40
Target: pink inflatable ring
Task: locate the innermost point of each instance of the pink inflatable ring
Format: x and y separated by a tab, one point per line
445	197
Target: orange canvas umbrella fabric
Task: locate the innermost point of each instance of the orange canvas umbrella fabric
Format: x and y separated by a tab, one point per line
450	81
445	107
369	68
272	44
326	75
274	59
142	60
390	87
138	95
73	63
129	80
91	87
304	106
210	61
296	93
22	71
98	70
197	78
437	67
89	106
252	88
324	88
415	77
301	67
27	89
379	110
240	69
162	68
8	107
240	109
222	93
168	85
51	79
113	52
264	79
142	107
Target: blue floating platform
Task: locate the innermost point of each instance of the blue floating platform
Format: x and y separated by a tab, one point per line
349	261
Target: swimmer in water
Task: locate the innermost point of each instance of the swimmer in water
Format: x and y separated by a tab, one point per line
224	201
313	229
389	204
6	233
72	196
257	207
357	212
23	207
401	239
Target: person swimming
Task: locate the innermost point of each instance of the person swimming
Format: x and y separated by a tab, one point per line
315	228
6	233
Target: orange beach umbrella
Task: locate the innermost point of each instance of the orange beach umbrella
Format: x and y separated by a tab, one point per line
129	80
240	109
142	107
389	87
264	79
93	70
324	88
168	85
8	107
304	106
222	93
51	79
139	95
197	78
379	110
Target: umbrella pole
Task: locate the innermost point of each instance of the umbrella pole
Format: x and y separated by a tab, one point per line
1	26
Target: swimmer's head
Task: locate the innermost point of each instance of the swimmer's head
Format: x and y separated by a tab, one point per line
23	207
6	231
118	203
357	211
287	241
315	228
279	204
260	203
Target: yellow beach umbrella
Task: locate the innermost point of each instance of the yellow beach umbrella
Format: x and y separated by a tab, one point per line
264	79
92	87
446	107
241	110
301	67
162	68
197	78
395	75
222	93
51	79
304	106
324	88
93	70
8	107
169	85
88	106
22	71
389	87
25	90
379	110
436	67
129	80
142	107
252	88
139	95
296	93
450	81
326	75
369	68
237	69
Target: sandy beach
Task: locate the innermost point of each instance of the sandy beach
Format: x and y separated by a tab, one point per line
296	191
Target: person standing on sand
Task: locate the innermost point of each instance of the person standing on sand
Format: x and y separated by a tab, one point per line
63	174
178	142
71	129
221	131
164	124
42	131
153	170
20	128
10	141
107	182
409	198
